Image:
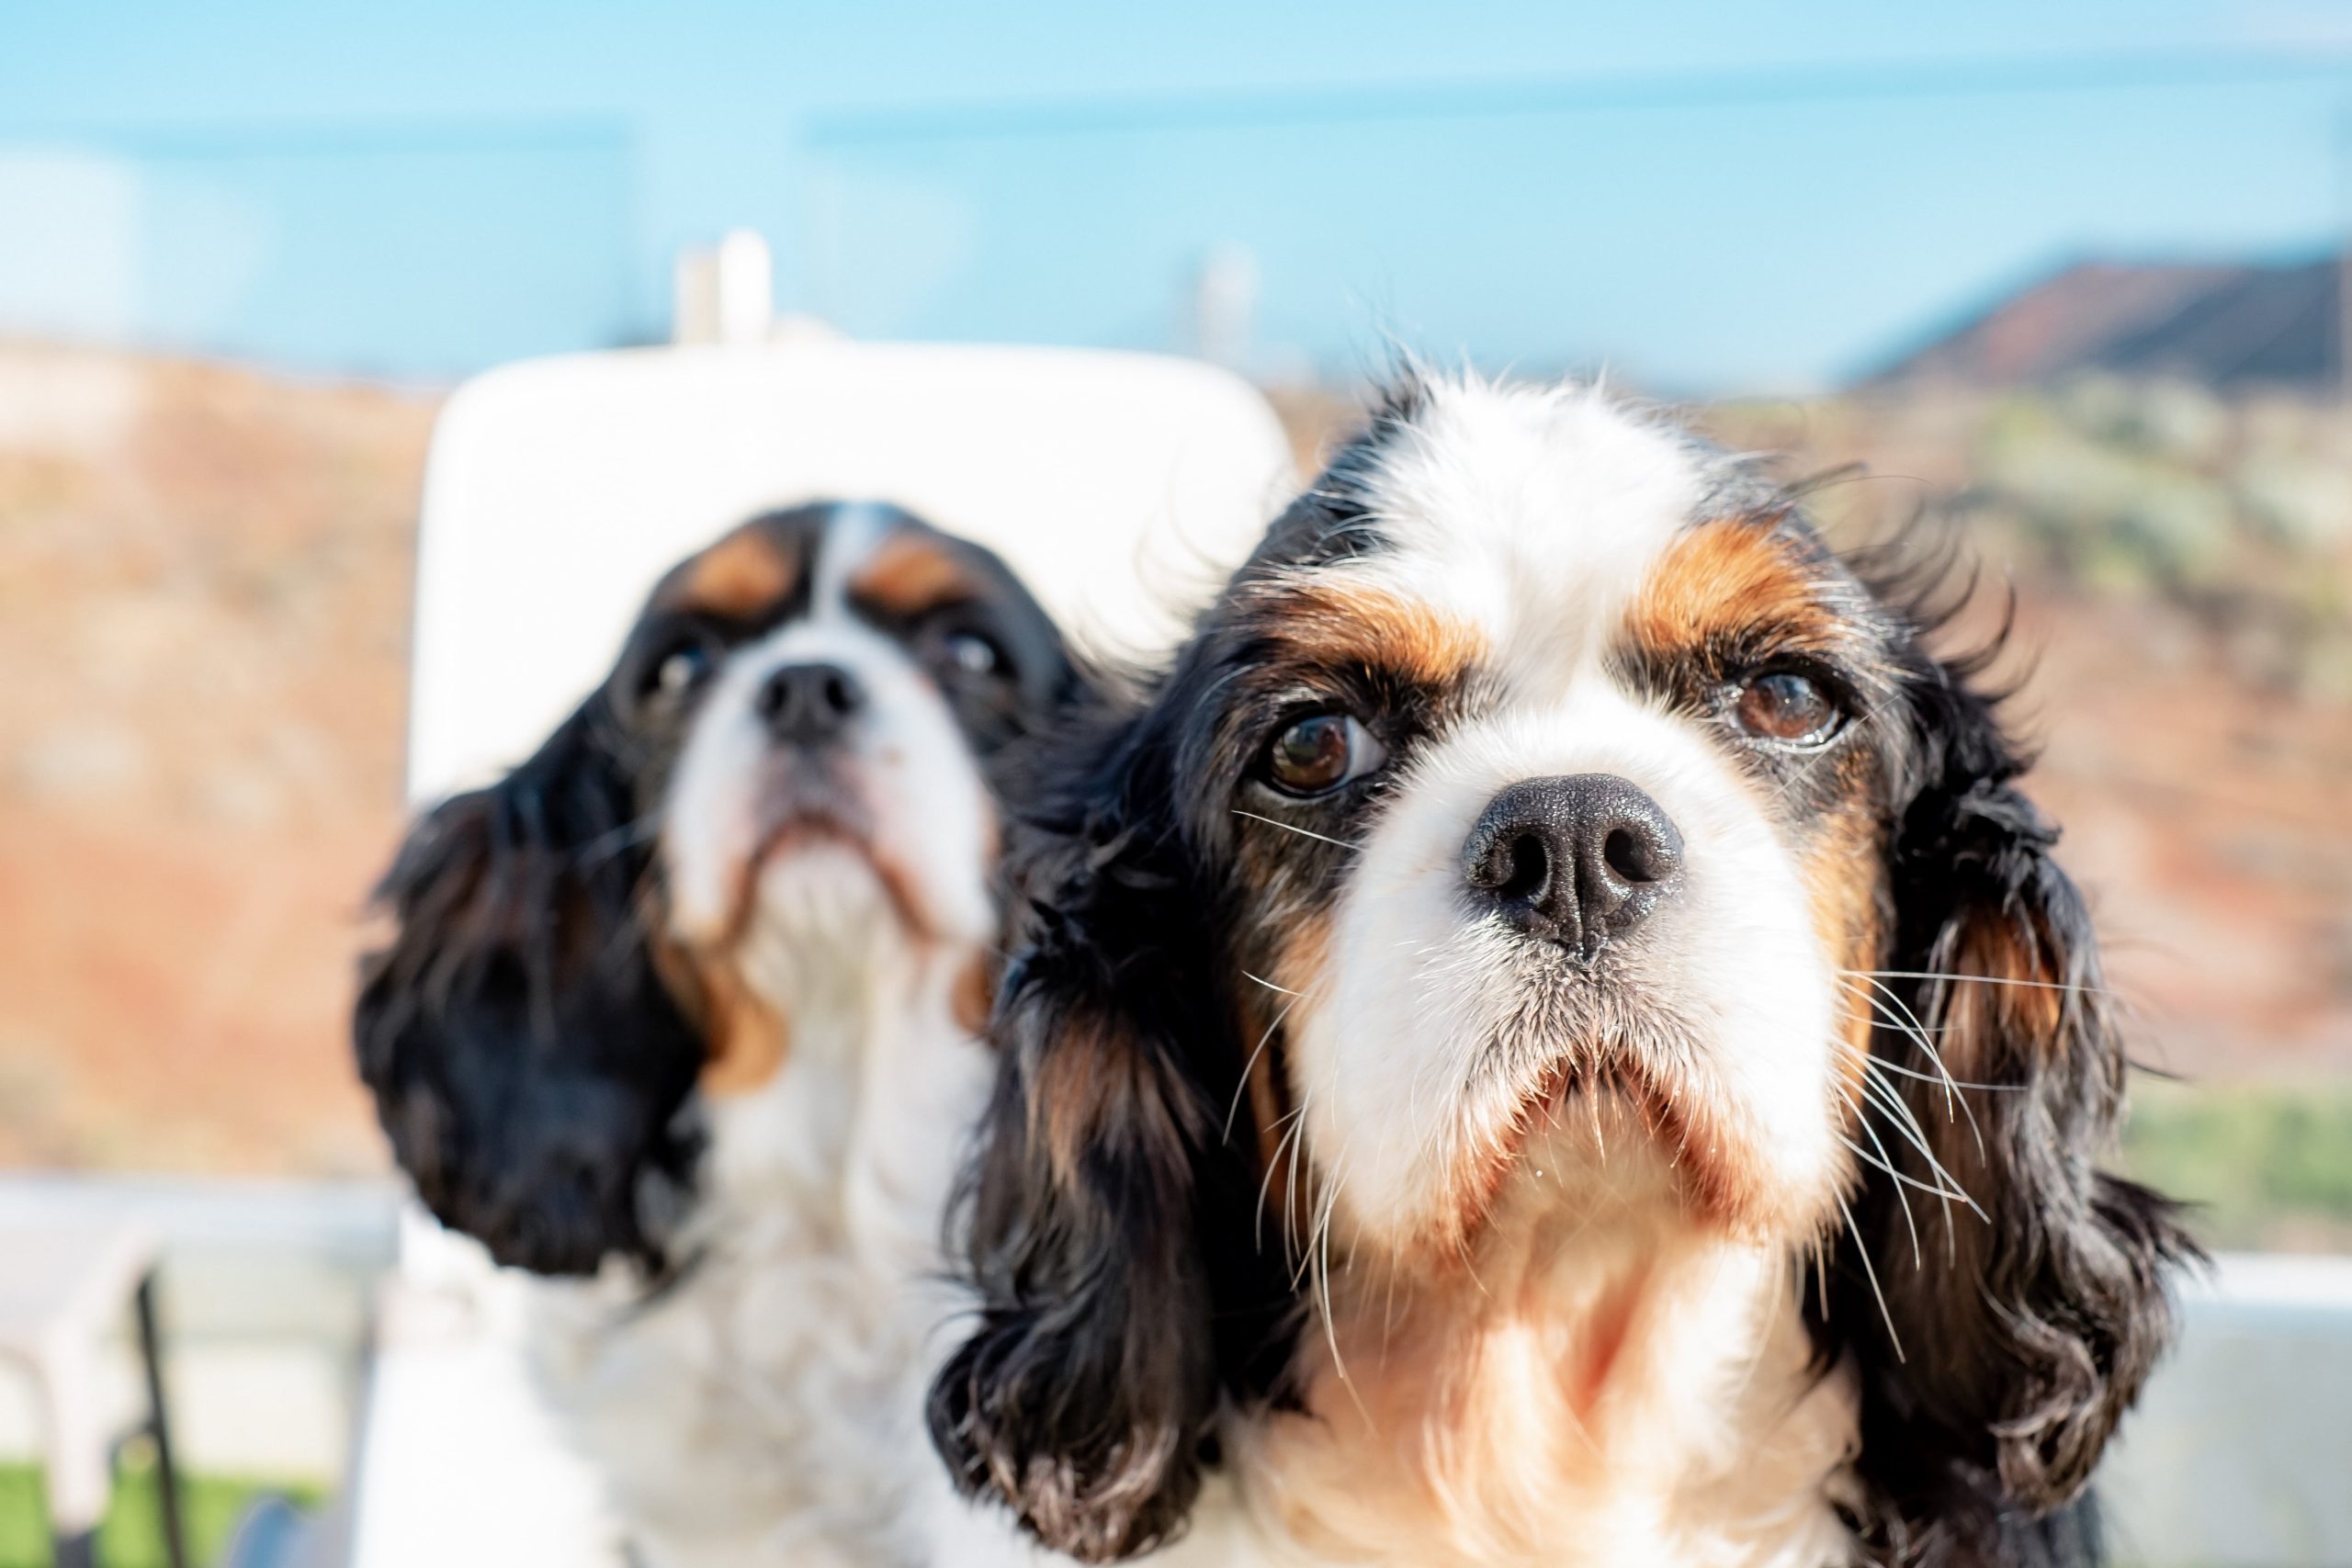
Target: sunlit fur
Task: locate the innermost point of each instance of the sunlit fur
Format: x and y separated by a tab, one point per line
1328	1217
682	1016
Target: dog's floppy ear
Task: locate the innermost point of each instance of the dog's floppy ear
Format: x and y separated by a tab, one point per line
2026	1329
528	1061
1108	1229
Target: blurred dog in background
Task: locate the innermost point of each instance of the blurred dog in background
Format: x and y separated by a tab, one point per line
681	1015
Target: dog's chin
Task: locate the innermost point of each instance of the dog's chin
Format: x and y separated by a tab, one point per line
823	887
1587	1148
1614	1135
1593	1149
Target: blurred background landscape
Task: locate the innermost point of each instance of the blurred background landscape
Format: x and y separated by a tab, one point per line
206	568
2070	280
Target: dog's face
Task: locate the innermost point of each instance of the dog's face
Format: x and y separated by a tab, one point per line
787	779
1545	830
822	695
1553	801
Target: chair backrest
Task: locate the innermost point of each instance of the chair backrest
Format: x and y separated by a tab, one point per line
1121	486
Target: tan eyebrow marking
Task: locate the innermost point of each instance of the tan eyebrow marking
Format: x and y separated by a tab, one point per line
741	575
1729	575
1344	623
910	572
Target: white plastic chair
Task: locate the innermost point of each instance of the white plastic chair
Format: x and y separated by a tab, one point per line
64	1289
1121	486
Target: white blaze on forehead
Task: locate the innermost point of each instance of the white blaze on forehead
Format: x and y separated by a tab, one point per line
1533	513
852	531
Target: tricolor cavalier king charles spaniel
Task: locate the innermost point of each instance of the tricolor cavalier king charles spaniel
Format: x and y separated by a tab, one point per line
1551	1035
684	1012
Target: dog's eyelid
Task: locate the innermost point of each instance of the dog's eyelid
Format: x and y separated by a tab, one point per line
1823	670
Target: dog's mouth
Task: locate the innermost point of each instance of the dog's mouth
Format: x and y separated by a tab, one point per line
795	826
805	818
1606	1121
1593	1094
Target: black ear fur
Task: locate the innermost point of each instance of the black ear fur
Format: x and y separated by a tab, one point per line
2026	1333
1109	1215
529	1063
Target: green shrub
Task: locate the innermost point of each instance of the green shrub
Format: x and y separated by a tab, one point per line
2268	1164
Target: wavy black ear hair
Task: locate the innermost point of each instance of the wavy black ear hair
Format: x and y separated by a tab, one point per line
1109	1213
2025	1331
528	1060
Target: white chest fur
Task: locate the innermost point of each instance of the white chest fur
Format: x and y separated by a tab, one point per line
765	1407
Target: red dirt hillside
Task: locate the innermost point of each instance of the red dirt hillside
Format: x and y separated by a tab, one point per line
204	593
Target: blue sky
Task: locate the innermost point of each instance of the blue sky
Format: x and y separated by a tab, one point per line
1708	195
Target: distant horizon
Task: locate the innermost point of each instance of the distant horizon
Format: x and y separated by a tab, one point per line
1936	323
1711	200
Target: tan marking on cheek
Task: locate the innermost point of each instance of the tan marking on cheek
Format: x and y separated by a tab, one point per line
1336	624
1721	578
749	1039
908	573
1842	869
1268	1018
738	578
975	994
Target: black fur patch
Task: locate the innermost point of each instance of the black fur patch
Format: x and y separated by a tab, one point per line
2024	1335
528	1064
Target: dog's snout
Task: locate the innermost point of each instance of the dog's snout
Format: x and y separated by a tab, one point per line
1576	860
809	704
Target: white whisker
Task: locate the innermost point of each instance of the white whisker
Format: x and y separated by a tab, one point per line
1980	979
1954	1100
1867	1157
1885	1162
1908	1126
1862	1251
1885	1066
1242	1086
1297	1120
1908	1026
1291	828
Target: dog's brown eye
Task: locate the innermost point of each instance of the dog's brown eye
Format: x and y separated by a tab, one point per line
1319	753
1786	708
681	670
974	654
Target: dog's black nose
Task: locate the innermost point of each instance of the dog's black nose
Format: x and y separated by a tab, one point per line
809	705
1576	861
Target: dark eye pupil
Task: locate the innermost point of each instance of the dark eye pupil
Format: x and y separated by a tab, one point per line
1782	707
1312	754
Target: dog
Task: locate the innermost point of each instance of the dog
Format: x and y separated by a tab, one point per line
682	1017
1551	1035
